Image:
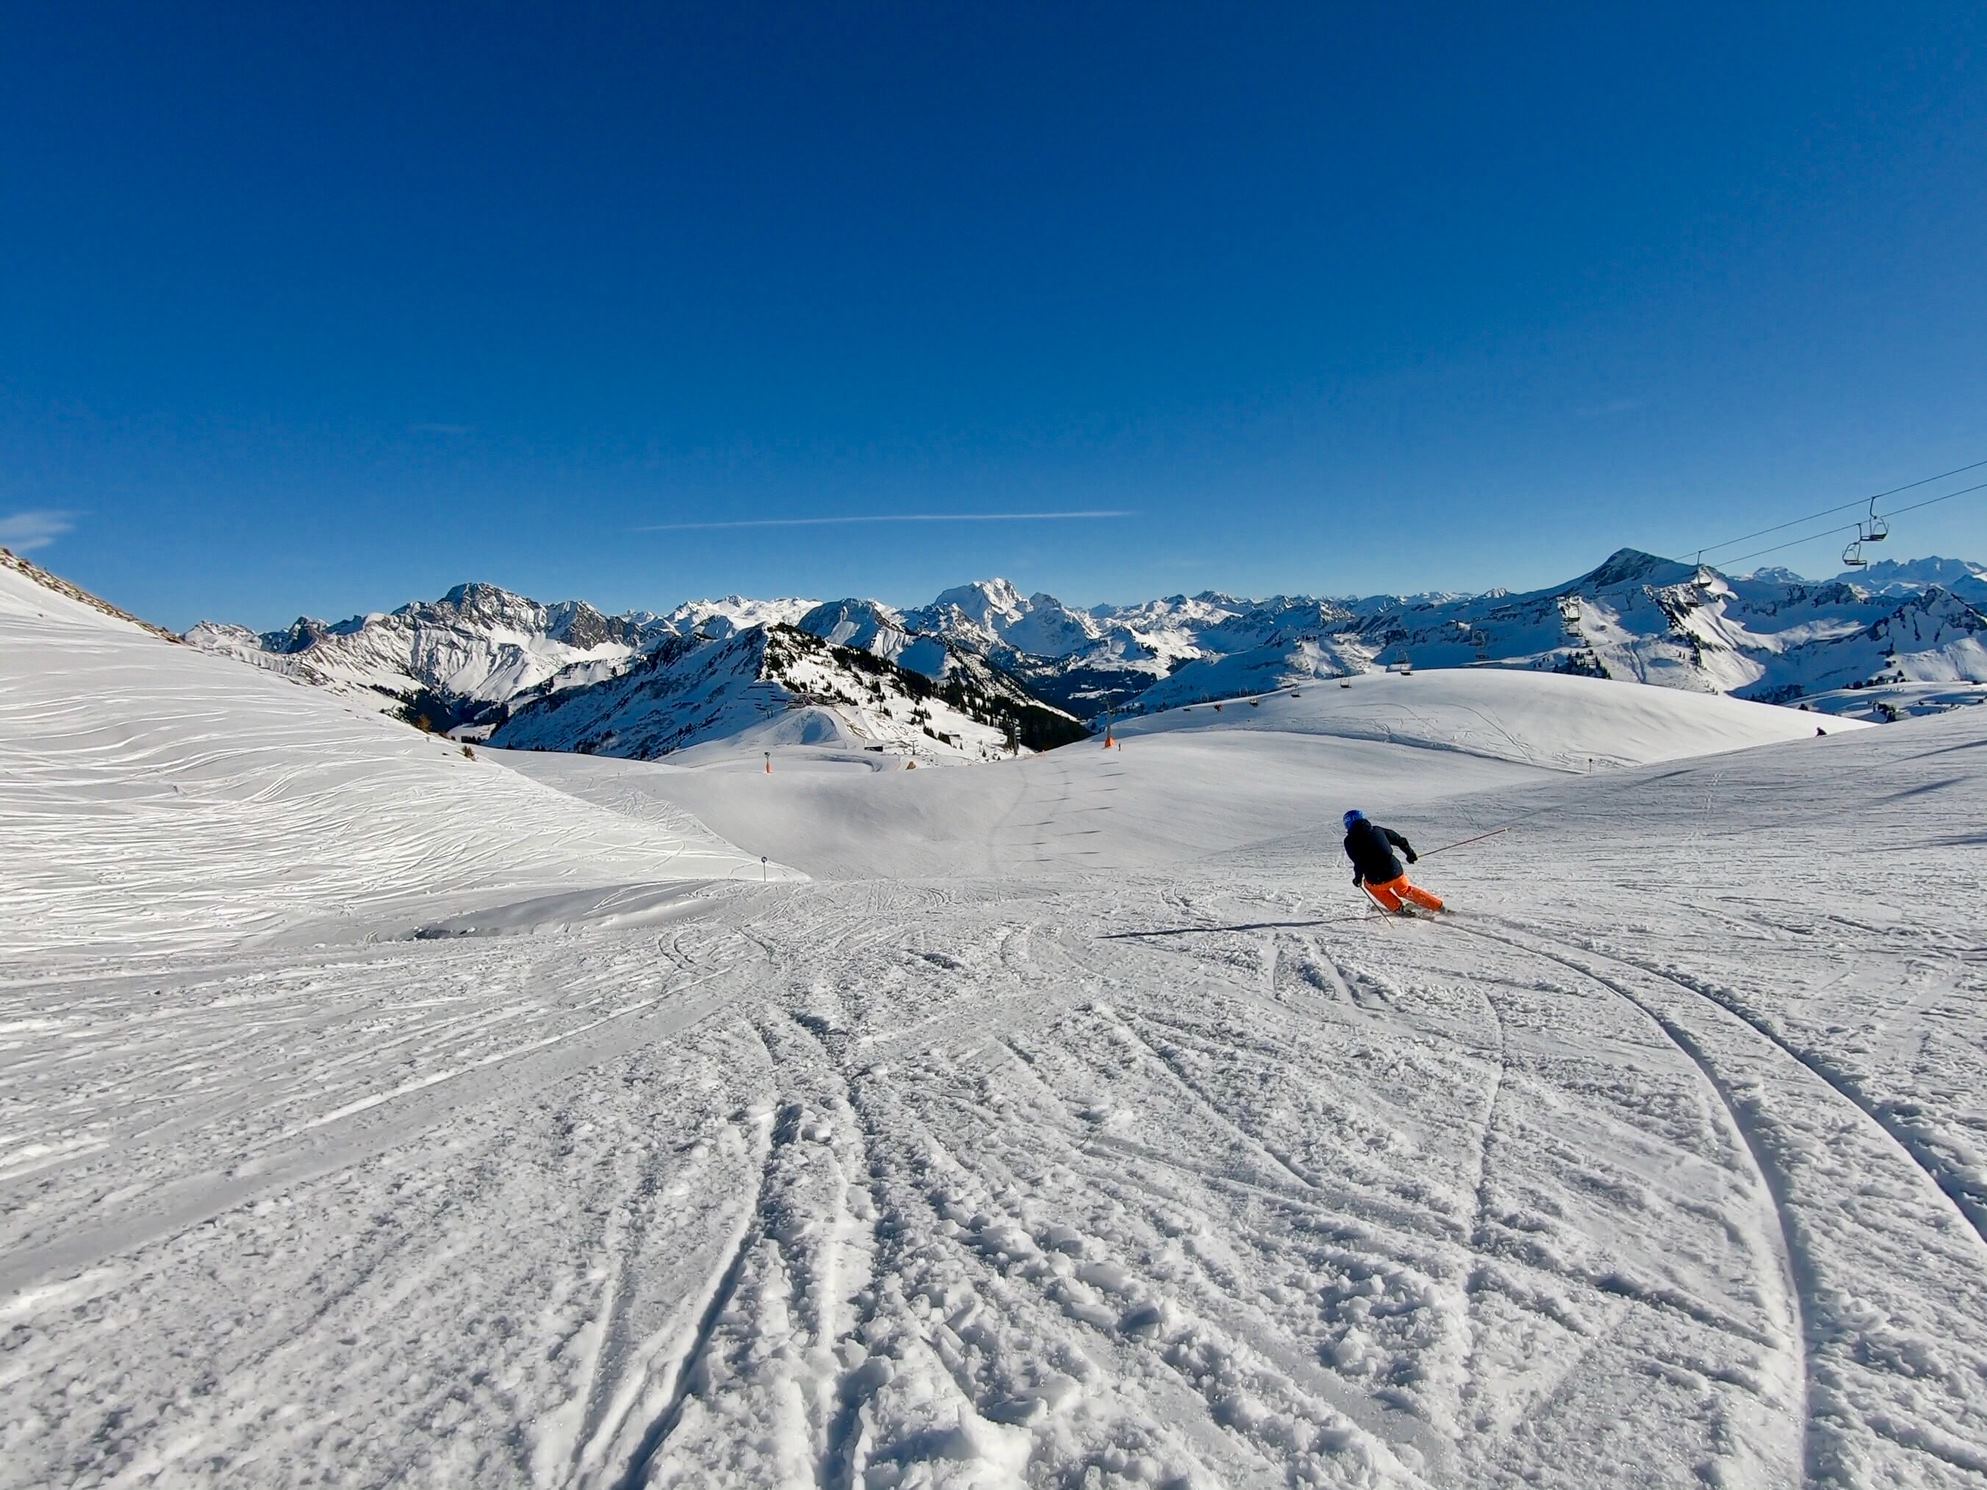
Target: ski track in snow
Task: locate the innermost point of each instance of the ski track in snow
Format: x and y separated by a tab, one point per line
1791	1260
1134	1153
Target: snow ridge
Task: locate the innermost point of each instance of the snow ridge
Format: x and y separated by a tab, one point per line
158	799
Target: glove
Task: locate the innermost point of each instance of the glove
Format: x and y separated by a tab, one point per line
1358	878
1412	856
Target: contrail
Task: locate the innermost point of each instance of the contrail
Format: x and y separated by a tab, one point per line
887	517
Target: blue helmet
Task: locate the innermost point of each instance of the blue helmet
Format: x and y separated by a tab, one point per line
1355	815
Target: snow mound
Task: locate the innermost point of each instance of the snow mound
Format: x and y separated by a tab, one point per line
157	798
1552	720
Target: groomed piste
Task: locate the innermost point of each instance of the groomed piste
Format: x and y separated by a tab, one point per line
375	1115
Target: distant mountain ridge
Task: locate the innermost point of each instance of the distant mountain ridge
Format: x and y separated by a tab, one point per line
445	660
1964	579
482	656
788	686
1641	618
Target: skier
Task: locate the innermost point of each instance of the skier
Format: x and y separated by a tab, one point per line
1374	867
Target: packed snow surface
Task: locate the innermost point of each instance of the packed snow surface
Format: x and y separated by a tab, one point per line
1077	1126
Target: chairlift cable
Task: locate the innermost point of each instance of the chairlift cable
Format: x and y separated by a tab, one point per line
1855	527
1710	548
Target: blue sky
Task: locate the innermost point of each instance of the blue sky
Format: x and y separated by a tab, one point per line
319	309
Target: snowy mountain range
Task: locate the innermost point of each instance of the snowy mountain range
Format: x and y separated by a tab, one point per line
445	659
772	683
1773	638
984	662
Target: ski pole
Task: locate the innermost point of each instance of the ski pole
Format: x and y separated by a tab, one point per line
1463	842
1374	901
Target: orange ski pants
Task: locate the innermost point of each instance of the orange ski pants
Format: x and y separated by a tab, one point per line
1393	892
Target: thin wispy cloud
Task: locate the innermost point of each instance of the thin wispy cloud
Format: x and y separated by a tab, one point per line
24	532
889	517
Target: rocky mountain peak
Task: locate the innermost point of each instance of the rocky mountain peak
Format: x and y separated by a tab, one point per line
1632	566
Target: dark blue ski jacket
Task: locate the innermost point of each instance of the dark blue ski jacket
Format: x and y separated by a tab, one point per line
1371	849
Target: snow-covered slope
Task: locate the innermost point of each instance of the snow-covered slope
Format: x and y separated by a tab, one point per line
1193	780
155	798
28	591
841	815
1085	1129
1546	719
